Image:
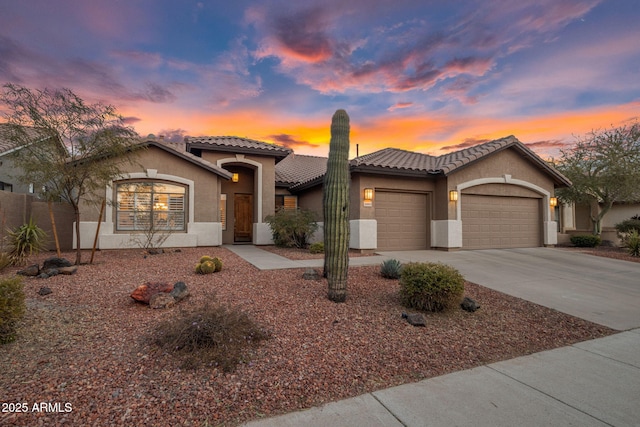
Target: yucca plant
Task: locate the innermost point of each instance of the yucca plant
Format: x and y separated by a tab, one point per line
25	240
632	243
390	269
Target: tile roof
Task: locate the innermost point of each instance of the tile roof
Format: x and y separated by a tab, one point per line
394	158
300	169
238	145
402	162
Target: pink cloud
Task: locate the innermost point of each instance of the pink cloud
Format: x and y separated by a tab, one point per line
400	105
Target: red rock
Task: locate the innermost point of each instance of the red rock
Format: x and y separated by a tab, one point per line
143	293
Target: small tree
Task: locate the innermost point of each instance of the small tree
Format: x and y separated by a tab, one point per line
604	168
71	148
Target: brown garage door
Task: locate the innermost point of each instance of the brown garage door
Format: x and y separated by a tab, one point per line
500	222
403	220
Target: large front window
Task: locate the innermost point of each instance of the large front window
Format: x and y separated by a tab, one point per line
146	205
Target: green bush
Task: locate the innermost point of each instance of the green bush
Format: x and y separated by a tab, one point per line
292	227
12	308
632	243
391	269
431	286
628	225
212	336
26	240
585	240
317	248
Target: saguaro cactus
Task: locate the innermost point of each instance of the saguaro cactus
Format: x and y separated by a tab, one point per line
336	208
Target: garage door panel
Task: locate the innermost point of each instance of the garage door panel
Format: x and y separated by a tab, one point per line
500	222
402	220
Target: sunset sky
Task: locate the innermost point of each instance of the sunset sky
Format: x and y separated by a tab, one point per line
428	76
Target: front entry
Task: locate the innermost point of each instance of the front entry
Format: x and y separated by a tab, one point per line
243	218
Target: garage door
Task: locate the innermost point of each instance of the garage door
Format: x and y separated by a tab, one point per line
402	221
500	222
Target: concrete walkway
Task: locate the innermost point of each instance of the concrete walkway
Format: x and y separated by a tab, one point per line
593	383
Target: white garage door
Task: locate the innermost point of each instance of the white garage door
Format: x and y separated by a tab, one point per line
490	222
403	220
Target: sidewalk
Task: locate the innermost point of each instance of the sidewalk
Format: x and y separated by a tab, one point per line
593	383
265	260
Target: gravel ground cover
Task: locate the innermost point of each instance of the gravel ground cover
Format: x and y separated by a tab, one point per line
84	349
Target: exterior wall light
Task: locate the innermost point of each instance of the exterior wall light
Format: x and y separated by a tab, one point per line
235	177
368	196
553	201
453	195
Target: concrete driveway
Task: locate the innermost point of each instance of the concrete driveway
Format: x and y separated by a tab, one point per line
602	290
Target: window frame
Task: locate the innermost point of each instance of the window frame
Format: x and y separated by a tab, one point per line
153	209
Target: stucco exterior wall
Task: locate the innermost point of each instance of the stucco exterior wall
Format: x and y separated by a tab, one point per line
506	162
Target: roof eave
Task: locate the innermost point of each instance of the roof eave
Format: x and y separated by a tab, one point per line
212	168
240	150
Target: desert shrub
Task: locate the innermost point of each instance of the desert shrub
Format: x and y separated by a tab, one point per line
292	227
5	260
24	241
317	248
214	336
585	240
431	286
632	243
12	307
391	269
628	225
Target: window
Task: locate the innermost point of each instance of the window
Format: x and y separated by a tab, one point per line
5	186
286	202
147	205
223	211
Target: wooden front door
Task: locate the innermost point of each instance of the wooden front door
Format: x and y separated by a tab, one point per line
243	218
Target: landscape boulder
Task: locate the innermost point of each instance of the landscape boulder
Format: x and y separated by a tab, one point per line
162	300
32	270
44	291
179	291
311	274
469	304
415	319
55	262
143	293
68	270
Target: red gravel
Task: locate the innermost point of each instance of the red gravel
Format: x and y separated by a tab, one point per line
85	344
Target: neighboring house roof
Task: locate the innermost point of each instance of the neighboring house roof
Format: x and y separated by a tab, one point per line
299	169
393	161
178	150
237	145
8	145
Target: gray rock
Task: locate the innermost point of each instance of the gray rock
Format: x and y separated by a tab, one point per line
179	291
311	274
162	300
51	272
42	276
68	270
469	304
55	262
32	270
415	319
44	291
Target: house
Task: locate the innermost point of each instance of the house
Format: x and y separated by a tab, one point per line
494	195
209	191
19	201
